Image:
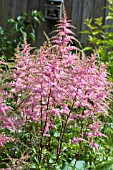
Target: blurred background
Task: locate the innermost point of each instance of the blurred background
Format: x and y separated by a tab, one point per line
77	10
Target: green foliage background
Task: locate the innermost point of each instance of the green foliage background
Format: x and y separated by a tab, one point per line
23	26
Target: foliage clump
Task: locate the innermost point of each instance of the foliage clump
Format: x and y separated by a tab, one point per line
100	37
22	26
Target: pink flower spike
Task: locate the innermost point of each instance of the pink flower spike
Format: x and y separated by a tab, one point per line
76	140
95	145
4	140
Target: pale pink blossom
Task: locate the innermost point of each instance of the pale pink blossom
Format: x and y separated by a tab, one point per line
4	140
56	82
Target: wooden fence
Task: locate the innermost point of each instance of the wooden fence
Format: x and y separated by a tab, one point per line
77	10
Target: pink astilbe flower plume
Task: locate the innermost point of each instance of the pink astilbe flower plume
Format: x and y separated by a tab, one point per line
55	82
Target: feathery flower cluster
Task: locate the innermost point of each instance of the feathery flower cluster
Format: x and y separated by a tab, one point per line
54	81
3	112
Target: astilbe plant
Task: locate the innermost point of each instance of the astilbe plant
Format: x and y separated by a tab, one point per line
3	107
57	97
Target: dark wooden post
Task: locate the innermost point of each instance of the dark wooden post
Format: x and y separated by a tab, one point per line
1	12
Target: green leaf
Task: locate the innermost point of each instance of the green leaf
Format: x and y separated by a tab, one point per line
73	162
16	27
34	13
23	32
40	15
84	32
33	165
108	165
57	134
87	49
80	165
36	159
19	18
32	35
11	20
109	18
67	167
98	21
37	20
